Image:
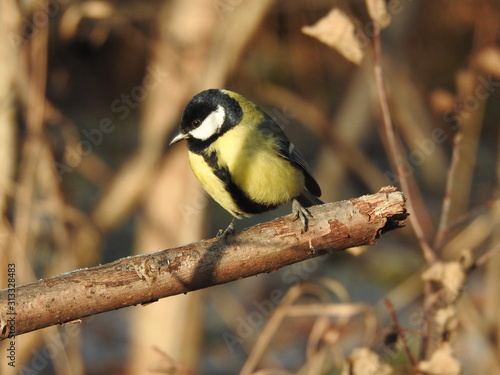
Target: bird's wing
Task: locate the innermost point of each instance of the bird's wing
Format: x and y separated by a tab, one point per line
288	151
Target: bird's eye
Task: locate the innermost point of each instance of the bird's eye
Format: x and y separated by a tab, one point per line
196	123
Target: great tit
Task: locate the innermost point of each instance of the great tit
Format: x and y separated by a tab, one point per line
243	159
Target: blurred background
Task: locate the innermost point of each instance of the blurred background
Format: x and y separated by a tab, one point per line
91	92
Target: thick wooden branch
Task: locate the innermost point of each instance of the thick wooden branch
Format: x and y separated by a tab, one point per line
146	278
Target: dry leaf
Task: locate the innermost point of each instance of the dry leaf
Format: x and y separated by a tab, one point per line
446	319
377	9
442	362
450	275
363	361
338	31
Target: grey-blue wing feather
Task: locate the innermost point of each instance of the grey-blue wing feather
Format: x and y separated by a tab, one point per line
288	151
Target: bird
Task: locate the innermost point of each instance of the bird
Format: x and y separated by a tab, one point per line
243	159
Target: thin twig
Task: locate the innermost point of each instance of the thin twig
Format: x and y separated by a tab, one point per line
401	334
485	257
471	214
392	145
426	325
450	186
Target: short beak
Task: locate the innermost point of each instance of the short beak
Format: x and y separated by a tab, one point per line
179	137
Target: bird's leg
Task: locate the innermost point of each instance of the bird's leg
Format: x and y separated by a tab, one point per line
300	212
229	230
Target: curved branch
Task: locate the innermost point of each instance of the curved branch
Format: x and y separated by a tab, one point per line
146	278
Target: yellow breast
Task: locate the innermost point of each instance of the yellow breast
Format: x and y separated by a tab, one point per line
254	165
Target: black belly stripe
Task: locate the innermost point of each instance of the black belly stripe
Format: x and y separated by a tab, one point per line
244	203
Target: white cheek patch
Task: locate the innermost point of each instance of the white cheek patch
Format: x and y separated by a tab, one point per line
210	125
